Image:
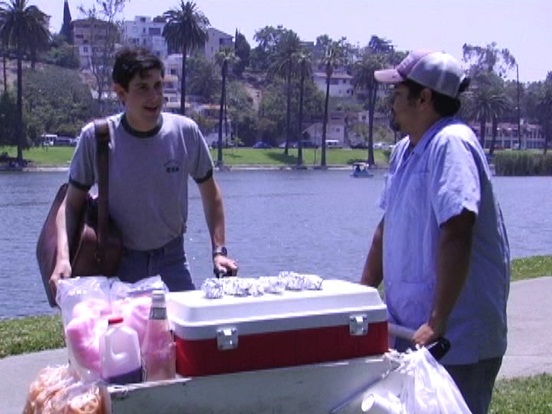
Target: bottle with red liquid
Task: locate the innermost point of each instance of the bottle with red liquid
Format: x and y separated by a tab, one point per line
120	353
158	348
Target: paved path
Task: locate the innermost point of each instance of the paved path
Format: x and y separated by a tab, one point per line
529	349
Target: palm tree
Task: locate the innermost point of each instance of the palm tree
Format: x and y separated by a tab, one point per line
24	29
489	101
186	30
303	59
544	110
332	59
499	104
363	77
224	58
283	66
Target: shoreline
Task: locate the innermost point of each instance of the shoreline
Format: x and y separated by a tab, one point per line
225	168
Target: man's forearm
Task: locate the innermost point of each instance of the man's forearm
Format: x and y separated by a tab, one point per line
67	221
372	274
453	261
216	225
213	209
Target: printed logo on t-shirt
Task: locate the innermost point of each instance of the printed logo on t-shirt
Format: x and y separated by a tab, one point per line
172	166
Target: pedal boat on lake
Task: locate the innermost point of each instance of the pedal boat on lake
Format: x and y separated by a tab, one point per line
361	170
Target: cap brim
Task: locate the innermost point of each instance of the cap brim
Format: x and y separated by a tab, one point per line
388	76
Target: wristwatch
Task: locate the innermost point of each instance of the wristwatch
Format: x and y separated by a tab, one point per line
220	251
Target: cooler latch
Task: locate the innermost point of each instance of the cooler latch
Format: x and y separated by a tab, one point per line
227	338
358	325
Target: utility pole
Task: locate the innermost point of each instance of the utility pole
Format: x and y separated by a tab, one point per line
518	108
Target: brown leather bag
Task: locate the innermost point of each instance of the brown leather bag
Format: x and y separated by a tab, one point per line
97	247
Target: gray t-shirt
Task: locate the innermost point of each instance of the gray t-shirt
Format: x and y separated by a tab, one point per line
148	176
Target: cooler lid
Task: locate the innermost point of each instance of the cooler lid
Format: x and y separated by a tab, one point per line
337	297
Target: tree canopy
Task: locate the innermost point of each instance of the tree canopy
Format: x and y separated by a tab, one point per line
185	31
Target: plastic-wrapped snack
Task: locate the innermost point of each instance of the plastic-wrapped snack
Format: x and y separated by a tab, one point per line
50	383
79	398
143	287
272	284
213	288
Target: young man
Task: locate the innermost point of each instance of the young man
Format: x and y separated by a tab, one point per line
151	156
441	248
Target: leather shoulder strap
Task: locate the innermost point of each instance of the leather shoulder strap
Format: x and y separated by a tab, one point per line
103	137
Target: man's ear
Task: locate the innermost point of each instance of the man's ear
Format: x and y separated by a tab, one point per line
426	96
120	91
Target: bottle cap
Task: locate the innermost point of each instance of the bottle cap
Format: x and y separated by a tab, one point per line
114	319
158	297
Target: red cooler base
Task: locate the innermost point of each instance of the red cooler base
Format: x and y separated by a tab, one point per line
278	349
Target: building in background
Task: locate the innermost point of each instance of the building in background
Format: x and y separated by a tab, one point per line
91	38
217	40
145	32
341	84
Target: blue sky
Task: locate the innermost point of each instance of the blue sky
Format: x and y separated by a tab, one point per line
520	26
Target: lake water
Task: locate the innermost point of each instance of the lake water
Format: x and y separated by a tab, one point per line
307	221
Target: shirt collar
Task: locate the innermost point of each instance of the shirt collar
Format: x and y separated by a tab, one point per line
432	131
141	134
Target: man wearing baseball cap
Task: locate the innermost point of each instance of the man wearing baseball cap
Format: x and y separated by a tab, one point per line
441	248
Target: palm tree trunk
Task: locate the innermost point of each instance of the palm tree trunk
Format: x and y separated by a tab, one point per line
300	144
546	137
482	127
494	134
4	70
19	126
325	124
288	110
183	82
221	113
372	95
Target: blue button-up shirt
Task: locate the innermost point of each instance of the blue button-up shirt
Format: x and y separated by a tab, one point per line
427	185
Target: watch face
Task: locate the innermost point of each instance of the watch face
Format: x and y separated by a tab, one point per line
220	250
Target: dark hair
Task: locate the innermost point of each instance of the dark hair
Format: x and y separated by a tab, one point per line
444	105
130	62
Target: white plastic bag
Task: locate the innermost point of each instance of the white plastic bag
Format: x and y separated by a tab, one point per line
428	388
85	305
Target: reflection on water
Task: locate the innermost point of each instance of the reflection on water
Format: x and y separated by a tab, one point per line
308	221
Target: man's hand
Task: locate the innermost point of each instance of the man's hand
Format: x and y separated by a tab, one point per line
61	271
426	334
225	266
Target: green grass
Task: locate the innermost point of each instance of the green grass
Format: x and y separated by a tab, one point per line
31	334
532	395
531	267
60	156
276	156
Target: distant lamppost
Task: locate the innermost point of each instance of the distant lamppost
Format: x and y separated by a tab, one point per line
518	108
395	132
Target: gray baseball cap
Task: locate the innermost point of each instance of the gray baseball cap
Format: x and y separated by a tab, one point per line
437	71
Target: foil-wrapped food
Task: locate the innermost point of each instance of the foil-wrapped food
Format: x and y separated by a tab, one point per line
239	286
